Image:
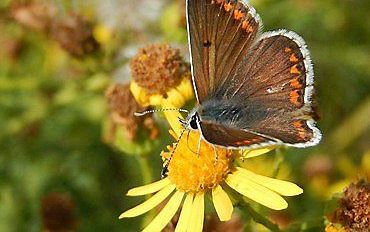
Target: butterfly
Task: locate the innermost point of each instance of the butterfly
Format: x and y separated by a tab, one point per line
253	89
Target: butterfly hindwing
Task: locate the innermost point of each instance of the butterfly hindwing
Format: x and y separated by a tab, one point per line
220	34
232	137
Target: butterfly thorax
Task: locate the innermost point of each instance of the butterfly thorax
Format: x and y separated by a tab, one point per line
238	113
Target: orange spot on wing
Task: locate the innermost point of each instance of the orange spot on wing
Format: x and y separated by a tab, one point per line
302	135
295	70
256	140
294	97
239	143
228	6
247	26
293	58
295	83
301	130
287	50
238	14
247	142
297	124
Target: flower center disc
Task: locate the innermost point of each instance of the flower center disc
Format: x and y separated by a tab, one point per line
192	172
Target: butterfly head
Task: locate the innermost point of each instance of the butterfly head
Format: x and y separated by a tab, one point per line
191	122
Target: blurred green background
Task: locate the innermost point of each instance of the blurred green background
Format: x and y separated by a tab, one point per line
58	57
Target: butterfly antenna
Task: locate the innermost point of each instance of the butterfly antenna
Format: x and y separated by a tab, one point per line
140	114
165	168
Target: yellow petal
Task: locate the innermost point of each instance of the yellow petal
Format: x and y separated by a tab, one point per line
173	117
150	188
253	153
197	214
165	216
171	132
149	204
284	188
256	192
155	100
139	93
186	88
183	223
222	203
175	98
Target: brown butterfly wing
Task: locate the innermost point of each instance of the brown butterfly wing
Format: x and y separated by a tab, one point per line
232	137
220	34
273	86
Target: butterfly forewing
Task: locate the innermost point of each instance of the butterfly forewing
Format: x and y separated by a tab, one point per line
220	34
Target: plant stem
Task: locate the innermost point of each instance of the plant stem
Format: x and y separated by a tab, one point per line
145	168
279	158
257	217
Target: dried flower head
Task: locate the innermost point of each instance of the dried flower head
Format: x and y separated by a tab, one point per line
58	212
354	210
34	15
158	68
75	35
123	105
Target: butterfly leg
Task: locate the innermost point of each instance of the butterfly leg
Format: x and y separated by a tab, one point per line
241	157
215	154
199	144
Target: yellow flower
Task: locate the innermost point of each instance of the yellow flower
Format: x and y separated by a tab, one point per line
176	96
191	176
159	73
102	34
334	228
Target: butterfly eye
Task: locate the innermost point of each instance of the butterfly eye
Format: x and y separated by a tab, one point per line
193	123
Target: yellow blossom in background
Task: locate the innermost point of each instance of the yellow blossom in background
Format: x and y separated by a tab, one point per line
333	228
122	129
102	34
351	171
160	74
176	96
